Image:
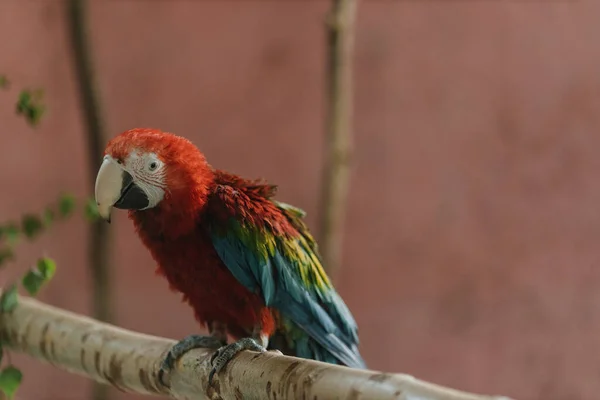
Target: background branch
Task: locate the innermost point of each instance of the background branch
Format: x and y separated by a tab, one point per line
98	239
129	361
336	174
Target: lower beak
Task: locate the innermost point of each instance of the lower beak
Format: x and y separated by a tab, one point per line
115	187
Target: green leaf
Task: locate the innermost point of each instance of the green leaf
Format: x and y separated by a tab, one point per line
29	105
10	380
32	282
91	210
1	353
24	100
23	103
34	114
4	82
31	225
11	233
37	276
47	267
8	300
66	205
6	254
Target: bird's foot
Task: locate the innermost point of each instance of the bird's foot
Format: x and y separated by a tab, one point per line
186	344
226	353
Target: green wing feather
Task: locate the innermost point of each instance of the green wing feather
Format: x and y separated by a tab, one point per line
284	266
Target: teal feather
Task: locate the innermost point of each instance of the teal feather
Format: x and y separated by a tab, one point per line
273	253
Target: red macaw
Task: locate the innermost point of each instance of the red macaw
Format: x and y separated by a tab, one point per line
245	263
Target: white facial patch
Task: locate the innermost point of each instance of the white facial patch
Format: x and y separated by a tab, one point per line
149	173
155	194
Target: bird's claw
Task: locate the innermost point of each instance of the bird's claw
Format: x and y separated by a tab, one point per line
224	354
180	348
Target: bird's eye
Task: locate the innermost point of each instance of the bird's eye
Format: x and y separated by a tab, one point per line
153	165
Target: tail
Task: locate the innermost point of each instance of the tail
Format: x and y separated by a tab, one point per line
304	346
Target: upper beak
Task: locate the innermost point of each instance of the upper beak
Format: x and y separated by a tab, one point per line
108	186
116	187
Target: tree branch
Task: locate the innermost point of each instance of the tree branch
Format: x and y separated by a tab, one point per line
129	361
99	239
336	172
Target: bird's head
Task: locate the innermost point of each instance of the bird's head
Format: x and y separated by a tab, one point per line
146	169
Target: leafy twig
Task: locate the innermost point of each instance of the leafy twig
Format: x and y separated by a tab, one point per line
30	227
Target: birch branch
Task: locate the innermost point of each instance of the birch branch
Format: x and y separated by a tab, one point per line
129	361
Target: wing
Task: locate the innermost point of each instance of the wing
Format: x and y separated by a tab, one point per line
267	247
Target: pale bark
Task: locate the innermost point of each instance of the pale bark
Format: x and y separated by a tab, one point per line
129	361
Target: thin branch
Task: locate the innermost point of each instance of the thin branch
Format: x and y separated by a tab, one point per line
336	172
98	240
95	127
129	361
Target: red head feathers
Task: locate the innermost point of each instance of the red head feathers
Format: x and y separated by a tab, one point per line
147	169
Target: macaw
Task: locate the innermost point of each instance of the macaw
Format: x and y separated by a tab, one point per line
246	263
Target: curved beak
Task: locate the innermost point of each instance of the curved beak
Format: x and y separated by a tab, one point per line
115	187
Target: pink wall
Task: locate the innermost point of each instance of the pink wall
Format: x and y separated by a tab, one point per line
471	255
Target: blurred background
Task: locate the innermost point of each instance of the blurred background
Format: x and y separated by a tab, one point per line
470	250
